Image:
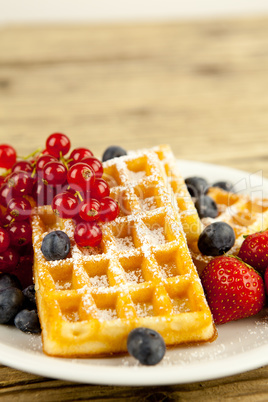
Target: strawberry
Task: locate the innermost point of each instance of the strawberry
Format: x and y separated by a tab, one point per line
254	250
266	280
233	289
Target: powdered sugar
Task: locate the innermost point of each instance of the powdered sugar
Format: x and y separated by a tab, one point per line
99	281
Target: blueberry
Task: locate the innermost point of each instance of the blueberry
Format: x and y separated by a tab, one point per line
206	207
55	245
196	186
216	239
9	281
224	185
29	295
28	321
11	301
146	345
113	152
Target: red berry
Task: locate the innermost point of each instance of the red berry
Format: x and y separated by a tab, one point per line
19	208
100	189
23	166
87	234
109	209
54	173
65	205
6	194
95	164
58	144
2	180
254	251
42	161
22	182
78	154
8	260
20	233
266	280
81	177
43	194
6	220
90	210
4	240
7	156
23	270
233	289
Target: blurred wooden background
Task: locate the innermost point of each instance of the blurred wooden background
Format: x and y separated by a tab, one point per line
200	86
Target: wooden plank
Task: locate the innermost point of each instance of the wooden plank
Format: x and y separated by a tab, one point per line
140	84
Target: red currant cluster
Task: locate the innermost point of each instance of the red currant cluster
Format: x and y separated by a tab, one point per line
72	185
16	252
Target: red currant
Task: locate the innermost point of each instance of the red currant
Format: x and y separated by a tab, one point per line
58	144
24	166
8	156
90	210
2	180
42	161
24	272
95	164
19	208
43	194
87	234
8	260
109	209
54	173
20	233
78	154
4	240
81	177
6	220
6	194
100	189
22	182
65	205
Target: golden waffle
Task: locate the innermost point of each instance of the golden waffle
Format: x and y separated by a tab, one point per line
182	199
141	275
244	214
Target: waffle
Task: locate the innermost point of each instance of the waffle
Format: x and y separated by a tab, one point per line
142	273
191	223
244	214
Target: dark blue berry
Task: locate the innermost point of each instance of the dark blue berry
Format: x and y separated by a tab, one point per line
29	295
55	245
224	185
197	186
9	281
11	302
216	239
206	207
113	151
146	345
28	321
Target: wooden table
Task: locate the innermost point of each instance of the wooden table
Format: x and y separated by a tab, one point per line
202	87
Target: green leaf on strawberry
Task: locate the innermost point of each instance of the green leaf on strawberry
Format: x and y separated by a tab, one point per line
233	289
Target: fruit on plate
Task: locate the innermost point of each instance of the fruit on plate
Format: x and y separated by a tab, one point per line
233	289
216	239
114	151
254	250
266	280
146	345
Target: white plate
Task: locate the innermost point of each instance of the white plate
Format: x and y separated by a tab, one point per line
240	346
